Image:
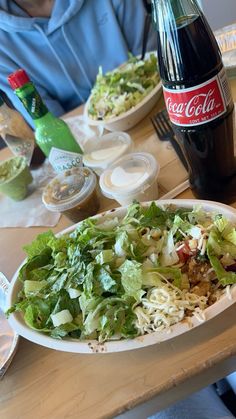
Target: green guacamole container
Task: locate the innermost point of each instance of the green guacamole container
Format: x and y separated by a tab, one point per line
15	177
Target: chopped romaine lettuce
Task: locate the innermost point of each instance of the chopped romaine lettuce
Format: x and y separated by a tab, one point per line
225	278
119	90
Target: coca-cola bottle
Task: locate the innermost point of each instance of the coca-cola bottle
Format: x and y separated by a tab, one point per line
197	96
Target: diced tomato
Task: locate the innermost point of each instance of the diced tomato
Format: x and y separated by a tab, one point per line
184	252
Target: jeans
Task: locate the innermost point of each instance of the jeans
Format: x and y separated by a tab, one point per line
205	404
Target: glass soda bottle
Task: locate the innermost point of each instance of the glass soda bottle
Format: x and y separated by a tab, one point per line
50	131
197	97
18	136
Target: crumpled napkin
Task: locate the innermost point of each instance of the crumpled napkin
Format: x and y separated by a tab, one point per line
8	338
81	130
31	211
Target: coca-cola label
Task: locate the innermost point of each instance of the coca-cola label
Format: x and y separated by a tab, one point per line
199	104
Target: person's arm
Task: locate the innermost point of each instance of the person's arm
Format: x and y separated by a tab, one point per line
52	104
131	16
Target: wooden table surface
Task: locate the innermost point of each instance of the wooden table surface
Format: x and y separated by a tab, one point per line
43	383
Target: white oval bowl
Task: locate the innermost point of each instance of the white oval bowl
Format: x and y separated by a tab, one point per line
92	346
128	119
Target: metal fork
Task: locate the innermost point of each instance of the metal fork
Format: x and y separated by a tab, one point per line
165	132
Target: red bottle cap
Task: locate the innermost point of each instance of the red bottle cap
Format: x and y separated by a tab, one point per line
18	79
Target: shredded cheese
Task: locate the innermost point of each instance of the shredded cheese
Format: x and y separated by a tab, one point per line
203	249
165	306
228	292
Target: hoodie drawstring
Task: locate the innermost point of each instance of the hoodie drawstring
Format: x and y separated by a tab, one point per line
39	29
75	56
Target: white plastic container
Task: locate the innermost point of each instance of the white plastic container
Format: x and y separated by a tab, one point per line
133	177
100	152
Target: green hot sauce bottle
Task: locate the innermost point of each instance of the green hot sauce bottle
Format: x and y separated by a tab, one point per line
50	131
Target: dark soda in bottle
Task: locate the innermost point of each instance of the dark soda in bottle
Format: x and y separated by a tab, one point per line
197	96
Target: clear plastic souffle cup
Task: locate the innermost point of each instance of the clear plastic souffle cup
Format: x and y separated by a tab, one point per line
73	193
100	152
132	177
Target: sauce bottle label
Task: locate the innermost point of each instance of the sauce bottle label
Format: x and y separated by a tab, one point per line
20	146
199	104
62	160
32	102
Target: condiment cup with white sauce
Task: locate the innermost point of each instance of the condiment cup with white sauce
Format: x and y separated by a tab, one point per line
132	177
73	193
100	152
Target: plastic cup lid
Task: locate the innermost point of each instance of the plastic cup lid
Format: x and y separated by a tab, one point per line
102	151
69	188
130	174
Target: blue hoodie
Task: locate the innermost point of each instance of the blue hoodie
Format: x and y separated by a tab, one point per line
61	54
